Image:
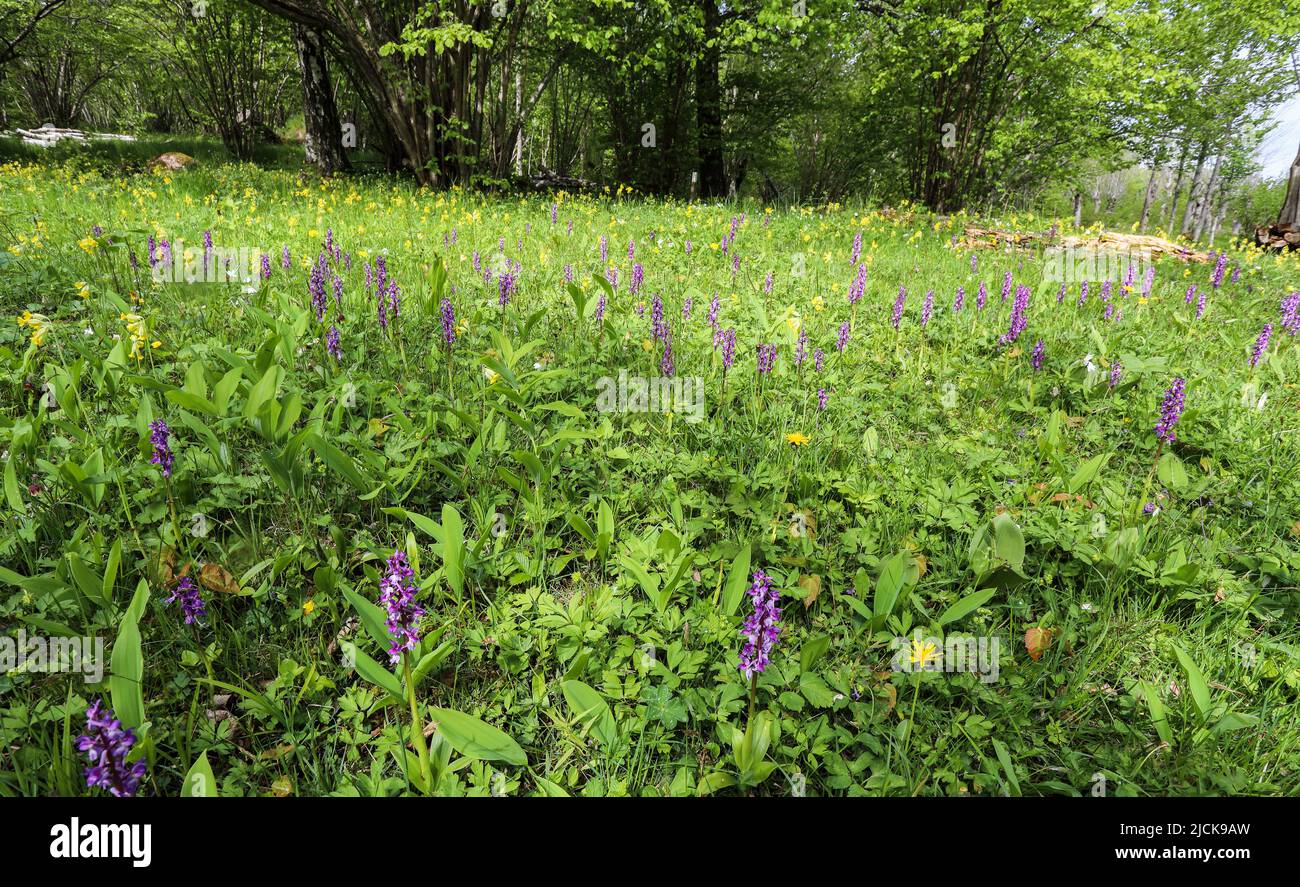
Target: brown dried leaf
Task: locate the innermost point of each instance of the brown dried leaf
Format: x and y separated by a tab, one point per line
217	578
812	586
1037	640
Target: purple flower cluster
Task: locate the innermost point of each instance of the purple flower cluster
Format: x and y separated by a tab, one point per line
766	358
927	309
316	286
981	297
638	276
728	343
1036	358
1171	410
1116	370
332	344
1220	264
505	286
1018	322
106	743
448	316
658	329
960	300
762	628
397	594
1291	313
1261	344
822	397
191	601
898	307
843	338
160	436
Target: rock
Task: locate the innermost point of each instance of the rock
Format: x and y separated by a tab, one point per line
172	160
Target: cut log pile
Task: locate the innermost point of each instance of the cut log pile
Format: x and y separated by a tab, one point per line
1277	237
49	135
989	238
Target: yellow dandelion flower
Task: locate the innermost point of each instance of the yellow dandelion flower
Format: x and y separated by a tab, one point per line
797	438
922	652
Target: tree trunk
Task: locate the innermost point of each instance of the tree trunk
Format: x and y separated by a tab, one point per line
1078	209
519	116
1289	217
1150	195
324	141
708	105
1207	201
1193	191
1178	186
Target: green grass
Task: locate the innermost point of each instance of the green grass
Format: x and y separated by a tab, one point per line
589	606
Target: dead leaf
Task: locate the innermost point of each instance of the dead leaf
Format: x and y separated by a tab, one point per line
217	578
812	586
274	754
282	787
1037	640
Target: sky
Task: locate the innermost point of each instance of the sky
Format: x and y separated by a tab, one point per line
1277	151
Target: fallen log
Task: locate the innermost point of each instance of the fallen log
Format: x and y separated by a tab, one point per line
990	238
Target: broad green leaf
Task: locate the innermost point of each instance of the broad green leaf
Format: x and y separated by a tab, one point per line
737	582
1195	681
200	781
12	496
339	462
969	604
590	707
452	548
370	613
477	739
125	684
372	671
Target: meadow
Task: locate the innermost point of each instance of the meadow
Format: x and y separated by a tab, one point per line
382	492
